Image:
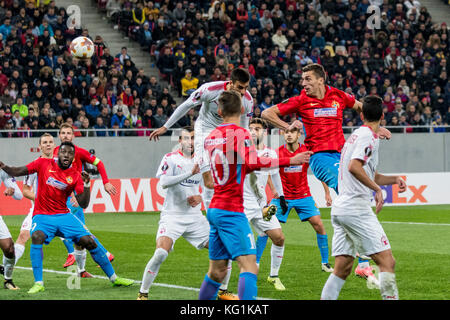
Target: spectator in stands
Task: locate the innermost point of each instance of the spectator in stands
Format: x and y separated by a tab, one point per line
159	119
134	117
120	105
147	119
19	106
118	118
188	84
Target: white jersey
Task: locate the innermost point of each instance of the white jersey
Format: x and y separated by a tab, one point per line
10	182
32	181
355	198
175	174
250	200
208	95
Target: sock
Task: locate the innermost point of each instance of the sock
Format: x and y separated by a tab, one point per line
276	254
332	288
261	242
68	243
37	255
19	249
102	260
8	263
207	196
363	263
224	284
247	288
388	286
152	268
209	289
80	257
322	242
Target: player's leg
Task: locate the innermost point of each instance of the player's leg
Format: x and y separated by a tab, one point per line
213	279
342	268
38	238
24	236
70	260
247	287
163	247
7	246
276	255
307	211
388	286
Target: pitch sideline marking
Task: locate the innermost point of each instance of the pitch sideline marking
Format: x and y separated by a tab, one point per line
166	285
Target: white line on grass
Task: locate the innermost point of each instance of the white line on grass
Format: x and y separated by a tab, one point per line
172	286
411	223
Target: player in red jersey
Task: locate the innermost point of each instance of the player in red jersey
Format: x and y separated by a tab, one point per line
232	156
82	156
297	194
320	108
57	179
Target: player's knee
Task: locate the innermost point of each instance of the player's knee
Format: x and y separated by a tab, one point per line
38	237
9	250
87	243
278	239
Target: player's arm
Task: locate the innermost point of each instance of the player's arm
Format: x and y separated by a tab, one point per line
383	180
12	189
83	190
272	114
28	192
328	199
14	171
356	169
194	100
89	158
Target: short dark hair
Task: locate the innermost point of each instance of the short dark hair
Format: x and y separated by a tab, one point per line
372	108
240	75
230	103
318	70
67	143
188	129
260	121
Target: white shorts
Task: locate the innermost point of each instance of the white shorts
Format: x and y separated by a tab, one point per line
359	233
200	154
4	231
193	228
255	218
26	224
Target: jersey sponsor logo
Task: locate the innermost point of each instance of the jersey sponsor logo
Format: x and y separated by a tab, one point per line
56	184
212	142
189	182
325	112
293	169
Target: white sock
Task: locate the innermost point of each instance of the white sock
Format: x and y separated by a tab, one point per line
224	285
152	269
108	254
364	264
19	250
9	267
332	288
113	278
80	258
276	254
388	286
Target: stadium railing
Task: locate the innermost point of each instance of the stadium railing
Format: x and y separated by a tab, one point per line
28	133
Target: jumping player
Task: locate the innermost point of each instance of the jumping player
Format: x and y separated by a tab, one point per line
232	156
356	227
320	108
82	156
57	179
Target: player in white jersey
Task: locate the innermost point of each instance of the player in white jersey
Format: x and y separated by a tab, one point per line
208	119
356	227
265	227
6	242
181	215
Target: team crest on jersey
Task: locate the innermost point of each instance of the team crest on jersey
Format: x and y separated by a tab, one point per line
197	96
69	179
335	104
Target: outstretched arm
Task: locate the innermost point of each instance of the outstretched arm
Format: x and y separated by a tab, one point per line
14	171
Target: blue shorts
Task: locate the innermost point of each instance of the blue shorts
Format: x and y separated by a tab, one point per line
305	208
77	211
230	235
325	166
65	225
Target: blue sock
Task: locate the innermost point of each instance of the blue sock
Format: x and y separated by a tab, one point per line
247	288
322	242
68	243
99	256
209	289
261	243
37	255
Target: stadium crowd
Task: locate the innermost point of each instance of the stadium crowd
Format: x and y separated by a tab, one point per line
404	59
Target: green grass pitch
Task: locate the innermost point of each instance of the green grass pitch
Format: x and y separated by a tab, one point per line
418	236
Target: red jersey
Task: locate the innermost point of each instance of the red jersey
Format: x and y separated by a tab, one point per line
322	118
82	156
294	178
54	186
233	155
